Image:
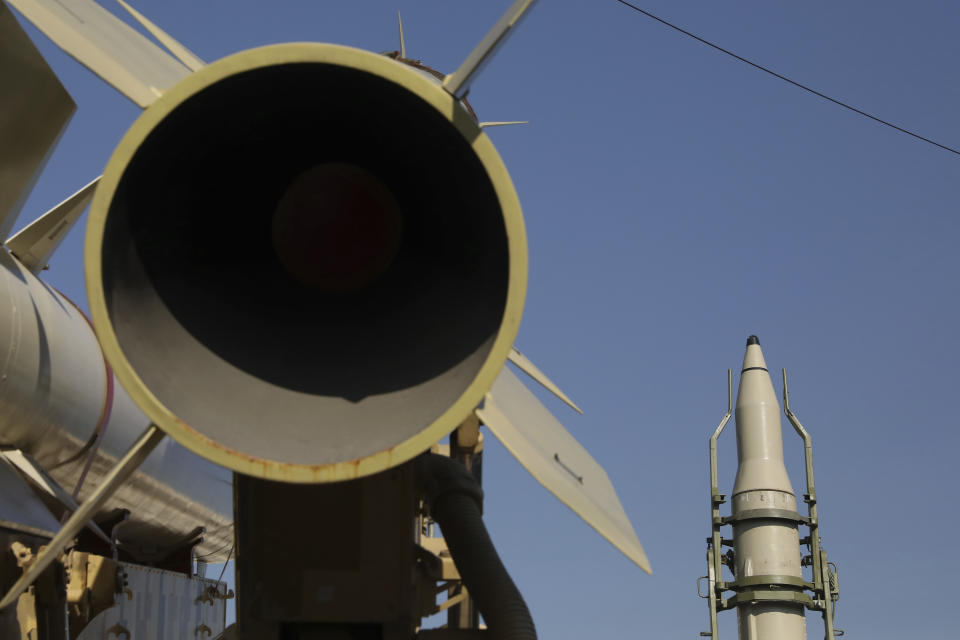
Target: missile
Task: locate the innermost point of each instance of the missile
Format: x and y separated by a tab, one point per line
763	545
770	592
64	420
284	298
64	414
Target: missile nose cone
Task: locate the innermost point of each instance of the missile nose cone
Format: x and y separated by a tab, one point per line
753	358
759	445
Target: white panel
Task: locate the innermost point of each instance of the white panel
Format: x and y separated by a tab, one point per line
165	606
107	46
554	457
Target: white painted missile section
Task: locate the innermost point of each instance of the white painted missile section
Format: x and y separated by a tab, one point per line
62	406
769	590
763	545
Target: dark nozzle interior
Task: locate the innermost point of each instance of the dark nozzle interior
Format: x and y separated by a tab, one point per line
310	254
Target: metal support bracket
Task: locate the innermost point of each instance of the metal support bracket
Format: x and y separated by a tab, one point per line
38	477
821	580
126	466
715	541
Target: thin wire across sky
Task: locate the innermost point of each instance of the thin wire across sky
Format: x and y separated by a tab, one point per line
786	79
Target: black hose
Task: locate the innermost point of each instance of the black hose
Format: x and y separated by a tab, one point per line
455	500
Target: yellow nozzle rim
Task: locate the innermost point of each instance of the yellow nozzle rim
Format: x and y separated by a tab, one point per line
249	462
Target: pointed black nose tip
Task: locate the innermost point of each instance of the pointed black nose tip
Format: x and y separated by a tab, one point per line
753	340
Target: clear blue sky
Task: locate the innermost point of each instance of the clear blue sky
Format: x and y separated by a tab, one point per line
676	202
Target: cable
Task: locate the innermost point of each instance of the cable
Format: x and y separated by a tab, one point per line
215	552
786	79
225	562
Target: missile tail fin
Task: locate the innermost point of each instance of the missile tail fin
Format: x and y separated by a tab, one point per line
36	242
182	54
560	463
525	365
29	134
110	48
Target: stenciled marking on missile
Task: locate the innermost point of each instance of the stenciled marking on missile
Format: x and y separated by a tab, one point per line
556	456
57	230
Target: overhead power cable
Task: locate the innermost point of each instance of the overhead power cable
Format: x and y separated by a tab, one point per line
786	79
226	562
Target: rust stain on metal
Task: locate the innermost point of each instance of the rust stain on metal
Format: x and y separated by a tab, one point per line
300	472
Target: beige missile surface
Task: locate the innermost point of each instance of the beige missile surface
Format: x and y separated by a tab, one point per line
765	536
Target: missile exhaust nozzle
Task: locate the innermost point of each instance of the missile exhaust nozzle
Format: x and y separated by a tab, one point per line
306	262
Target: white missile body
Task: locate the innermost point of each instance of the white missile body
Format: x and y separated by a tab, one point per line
763	546
56	393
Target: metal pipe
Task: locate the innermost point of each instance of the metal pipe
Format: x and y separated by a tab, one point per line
454	497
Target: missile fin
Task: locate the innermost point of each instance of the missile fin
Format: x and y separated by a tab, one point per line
403	46
34	112
458	82
20	509
110	48
182	54
560	463
36	242
524	364
36	475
